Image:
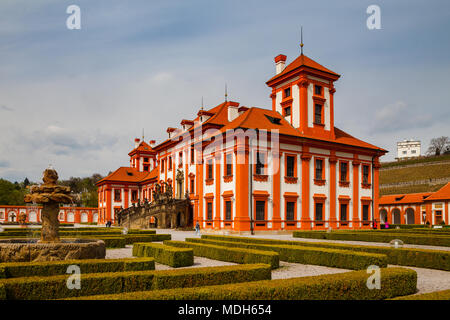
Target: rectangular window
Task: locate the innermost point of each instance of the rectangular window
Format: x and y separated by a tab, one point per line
192	156
365	216
192	186
180	158
259	163
229	161
365	174
209	211
290	210
162	164
228	210
210	169
287	92
318	90
146	168
319	211
117	195
260	210
343	212
170	163
290	166
438	217
134	195
287	111
145	159
318	114
344	171
319	169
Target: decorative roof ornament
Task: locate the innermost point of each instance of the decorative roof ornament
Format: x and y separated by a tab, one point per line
301	39
226	93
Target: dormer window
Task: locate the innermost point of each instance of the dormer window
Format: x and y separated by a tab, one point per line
273	120
287	92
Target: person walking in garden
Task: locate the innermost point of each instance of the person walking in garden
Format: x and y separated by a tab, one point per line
197	229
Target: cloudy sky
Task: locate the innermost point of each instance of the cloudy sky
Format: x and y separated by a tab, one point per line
78	98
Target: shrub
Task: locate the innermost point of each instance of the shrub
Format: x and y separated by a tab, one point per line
130	239
46	268
422	258
229	254
437	295
435	240
171	256
55	287
341	286
311	255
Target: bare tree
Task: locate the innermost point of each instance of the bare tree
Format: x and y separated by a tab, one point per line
438	145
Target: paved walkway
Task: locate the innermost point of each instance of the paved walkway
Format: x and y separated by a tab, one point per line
428	280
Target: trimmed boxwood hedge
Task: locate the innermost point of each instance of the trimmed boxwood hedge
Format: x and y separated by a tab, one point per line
168	255
35	232
437	295
344	259
133	238
434	240
229	254
422	258
55	287
341	286
51	268
113	240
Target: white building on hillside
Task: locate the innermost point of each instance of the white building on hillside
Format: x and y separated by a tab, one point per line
408	149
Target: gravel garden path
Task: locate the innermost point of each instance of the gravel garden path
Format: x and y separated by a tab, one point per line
428	280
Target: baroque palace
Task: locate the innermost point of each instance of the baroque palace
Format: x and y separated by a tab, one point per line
246	169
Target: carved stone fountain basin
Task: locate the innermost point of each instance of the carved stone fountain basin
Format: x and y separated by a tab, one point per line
28	250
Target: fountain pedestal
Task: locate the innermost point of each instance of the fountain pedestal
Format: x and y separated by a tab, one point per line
50	247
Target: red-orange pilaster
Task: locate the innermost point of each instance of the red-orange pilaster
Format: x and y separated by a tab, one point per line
276	218
376	191
218	178
108	205
199	183
356	221
303	84
332	160
242	220
306	220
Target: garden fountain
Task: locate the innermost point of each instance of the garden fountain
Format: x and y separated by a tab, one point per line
50	247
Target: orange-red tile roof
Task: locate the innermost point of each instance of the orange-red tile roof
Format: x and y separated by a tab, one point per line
128	174
257	118
301	61
442	194
415	198
143	147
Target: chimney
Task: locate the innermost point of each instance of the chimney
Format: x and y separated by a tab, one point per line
280	61
171	132
136	142
233	110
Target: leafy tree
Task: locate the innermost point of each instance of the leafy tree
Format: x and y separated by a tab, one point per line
83	189
11	193
438	145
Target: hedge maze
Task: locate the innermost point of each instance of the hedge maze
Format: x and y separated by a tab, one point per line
255	258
